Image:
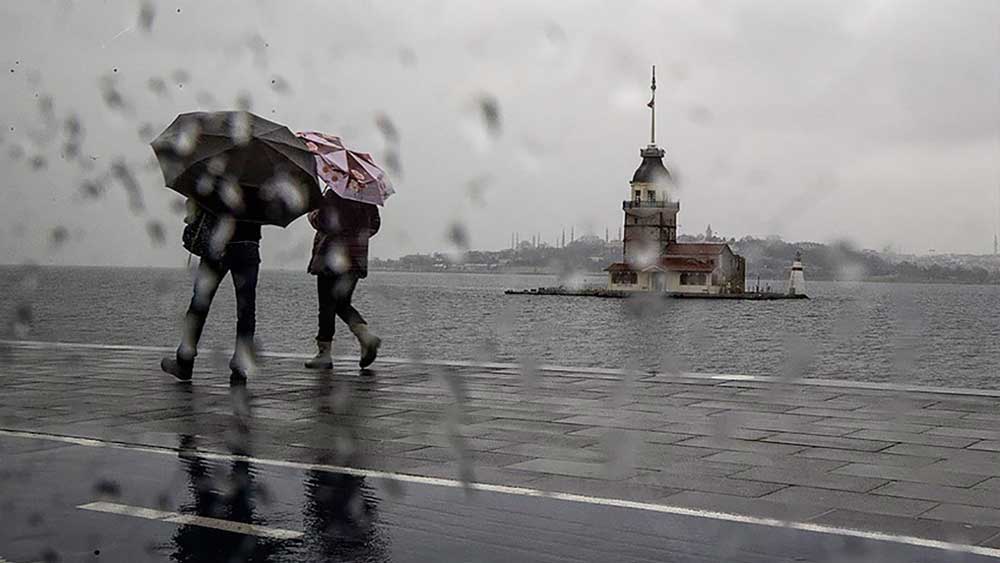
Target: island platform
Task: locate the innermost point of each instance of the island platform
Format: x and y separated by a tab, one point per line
619	294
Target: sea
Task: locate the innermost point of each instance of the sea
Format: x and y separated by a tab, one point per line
941	335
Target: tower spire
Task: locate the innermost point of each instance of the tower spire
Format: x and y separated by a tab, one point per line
652	109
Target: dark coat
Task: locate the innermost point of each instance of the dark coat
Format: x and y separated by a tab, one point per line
343	227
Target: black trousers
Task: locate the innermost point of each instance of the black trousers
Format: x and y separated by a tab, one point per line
335	293
242	261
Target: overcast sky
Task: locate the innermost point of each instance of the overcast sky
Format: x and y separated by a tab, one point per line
876	122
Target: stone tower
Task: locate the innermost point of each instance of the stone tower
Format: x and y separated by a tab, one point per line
650	212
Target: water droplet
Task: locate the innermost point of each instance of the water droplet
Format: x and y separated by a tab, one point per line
156	232
59	236
489	108
280	85
147	14
123	173
157	85
387	128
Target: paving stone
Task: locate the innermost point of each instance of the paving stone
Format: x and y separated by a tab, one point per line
709	484
964	465
636	421
656	456
545	438
831	499
828	442
445	441
941	493
964	513
769	421
701	467
917	475
782	461
742	406
641	436
492	459
877	424
876	458
991	484
946	454
908	438
980	433
569	468
817	479
555	452
712	442
987	445
719	428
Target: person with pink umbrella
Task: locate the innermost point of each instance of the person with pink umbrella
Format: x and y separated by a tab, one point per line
345	221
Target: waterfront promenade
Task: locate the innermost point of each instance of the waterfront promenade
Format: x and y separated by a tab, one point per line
904	467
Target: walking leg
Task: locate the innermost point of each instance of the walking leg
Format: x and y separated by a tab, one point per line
327	319
206	283
245	268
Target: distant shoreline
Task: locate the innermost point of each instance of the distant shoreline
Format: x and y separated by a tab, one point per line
751	280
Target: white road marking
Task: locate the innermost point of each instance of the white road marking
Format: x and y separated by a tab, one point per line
191	520
528	492
604	373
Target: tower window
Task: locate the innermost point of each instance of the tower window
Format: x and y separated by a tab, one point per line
638	195
650	195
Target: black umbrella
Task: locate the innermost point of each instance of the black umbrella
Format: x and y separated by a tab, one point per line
238	164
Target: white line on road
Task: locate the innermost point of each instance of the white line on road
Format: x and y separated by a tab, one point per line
527	492
188	519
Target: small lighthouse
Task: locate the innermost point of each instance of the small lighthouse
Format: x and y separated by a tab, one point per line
796	279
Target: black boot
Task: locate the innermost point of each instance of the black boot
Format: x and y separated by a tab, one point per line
178	367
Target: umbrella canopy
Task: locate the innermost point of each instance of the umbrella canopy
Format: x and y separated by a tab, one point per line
350	174
238	164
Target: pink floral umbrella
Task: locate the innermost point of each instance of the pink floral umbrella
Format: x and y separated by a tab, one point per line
350	174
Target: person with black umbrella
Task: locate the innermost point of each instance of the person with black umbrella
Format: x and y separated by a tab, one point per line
239	172
225	246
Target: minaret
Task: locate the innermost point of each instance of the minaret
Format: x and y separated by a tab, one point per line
796	279
650	215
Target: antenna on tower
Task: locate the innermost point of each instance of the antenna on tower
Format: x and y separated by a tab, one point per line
652	107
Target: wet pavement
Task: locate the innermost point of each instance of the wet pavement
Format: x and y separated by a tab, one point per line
103	459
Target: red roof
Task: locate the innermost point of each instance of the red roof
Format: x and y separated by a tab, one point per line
695	248
687	264
677	264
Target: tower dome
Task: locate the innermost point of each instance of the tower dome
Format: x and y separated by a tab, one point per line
651	170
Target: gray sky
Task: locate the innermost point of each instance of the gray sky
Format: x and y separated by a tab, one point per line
874	121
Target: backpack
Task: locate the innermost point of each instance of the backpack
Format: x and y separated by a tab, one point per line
197	236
